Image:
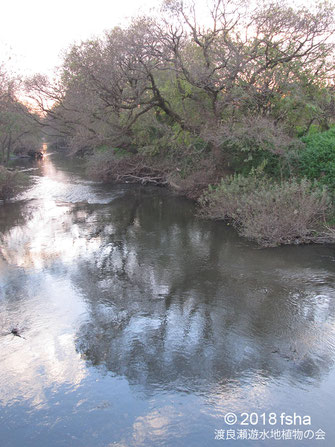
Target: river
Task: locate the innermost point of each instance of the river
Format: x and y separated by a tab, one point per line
144	325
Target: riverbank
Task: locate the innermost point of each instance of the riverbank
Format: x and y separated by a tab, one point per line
268	211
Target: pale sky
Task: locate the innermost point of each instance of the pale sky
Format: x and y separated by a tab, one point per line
34	32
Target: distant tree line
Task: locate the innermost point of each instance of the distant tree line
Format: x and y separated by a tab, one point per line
19	130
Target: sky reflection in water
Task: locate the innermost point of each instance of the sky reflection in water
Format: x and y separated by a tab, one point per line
143	325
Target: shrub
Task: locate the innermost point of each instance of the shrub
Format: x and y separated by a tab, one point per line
317	160
102	162
11	182
252	141
107	167
268	212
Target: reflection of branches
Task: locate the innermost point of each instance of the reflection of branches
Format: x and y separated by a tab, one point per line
186	347
10	212
173	306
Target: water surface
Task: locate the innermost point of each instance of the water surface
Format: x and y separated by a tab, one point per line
144	325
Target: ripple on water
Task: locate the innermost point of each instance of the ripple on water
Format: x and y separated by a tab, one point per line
144	326
76	191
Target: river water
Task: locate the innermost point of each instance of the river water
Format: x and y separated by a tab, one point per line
144	325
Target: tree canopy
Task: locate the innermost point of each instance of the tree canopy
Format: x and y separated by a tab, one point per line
18	128
268	66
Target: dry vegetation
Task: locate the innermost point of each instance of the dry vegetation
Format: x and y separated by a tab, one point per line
269	212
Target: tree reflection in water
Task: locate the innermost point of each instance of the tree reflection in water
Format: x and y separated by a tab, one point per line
122	286
176	304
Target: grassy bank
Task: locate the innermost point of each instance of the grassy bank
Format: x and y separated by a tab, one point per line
273	199
272	212
283	200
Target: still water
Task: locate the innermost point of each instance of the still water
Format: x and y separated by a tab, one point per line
145	326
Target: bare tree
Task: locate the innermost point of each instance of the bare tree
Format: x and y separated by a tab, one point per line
193	74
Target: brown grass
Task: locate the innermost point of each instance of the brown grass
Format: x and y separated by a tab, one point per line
269	213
